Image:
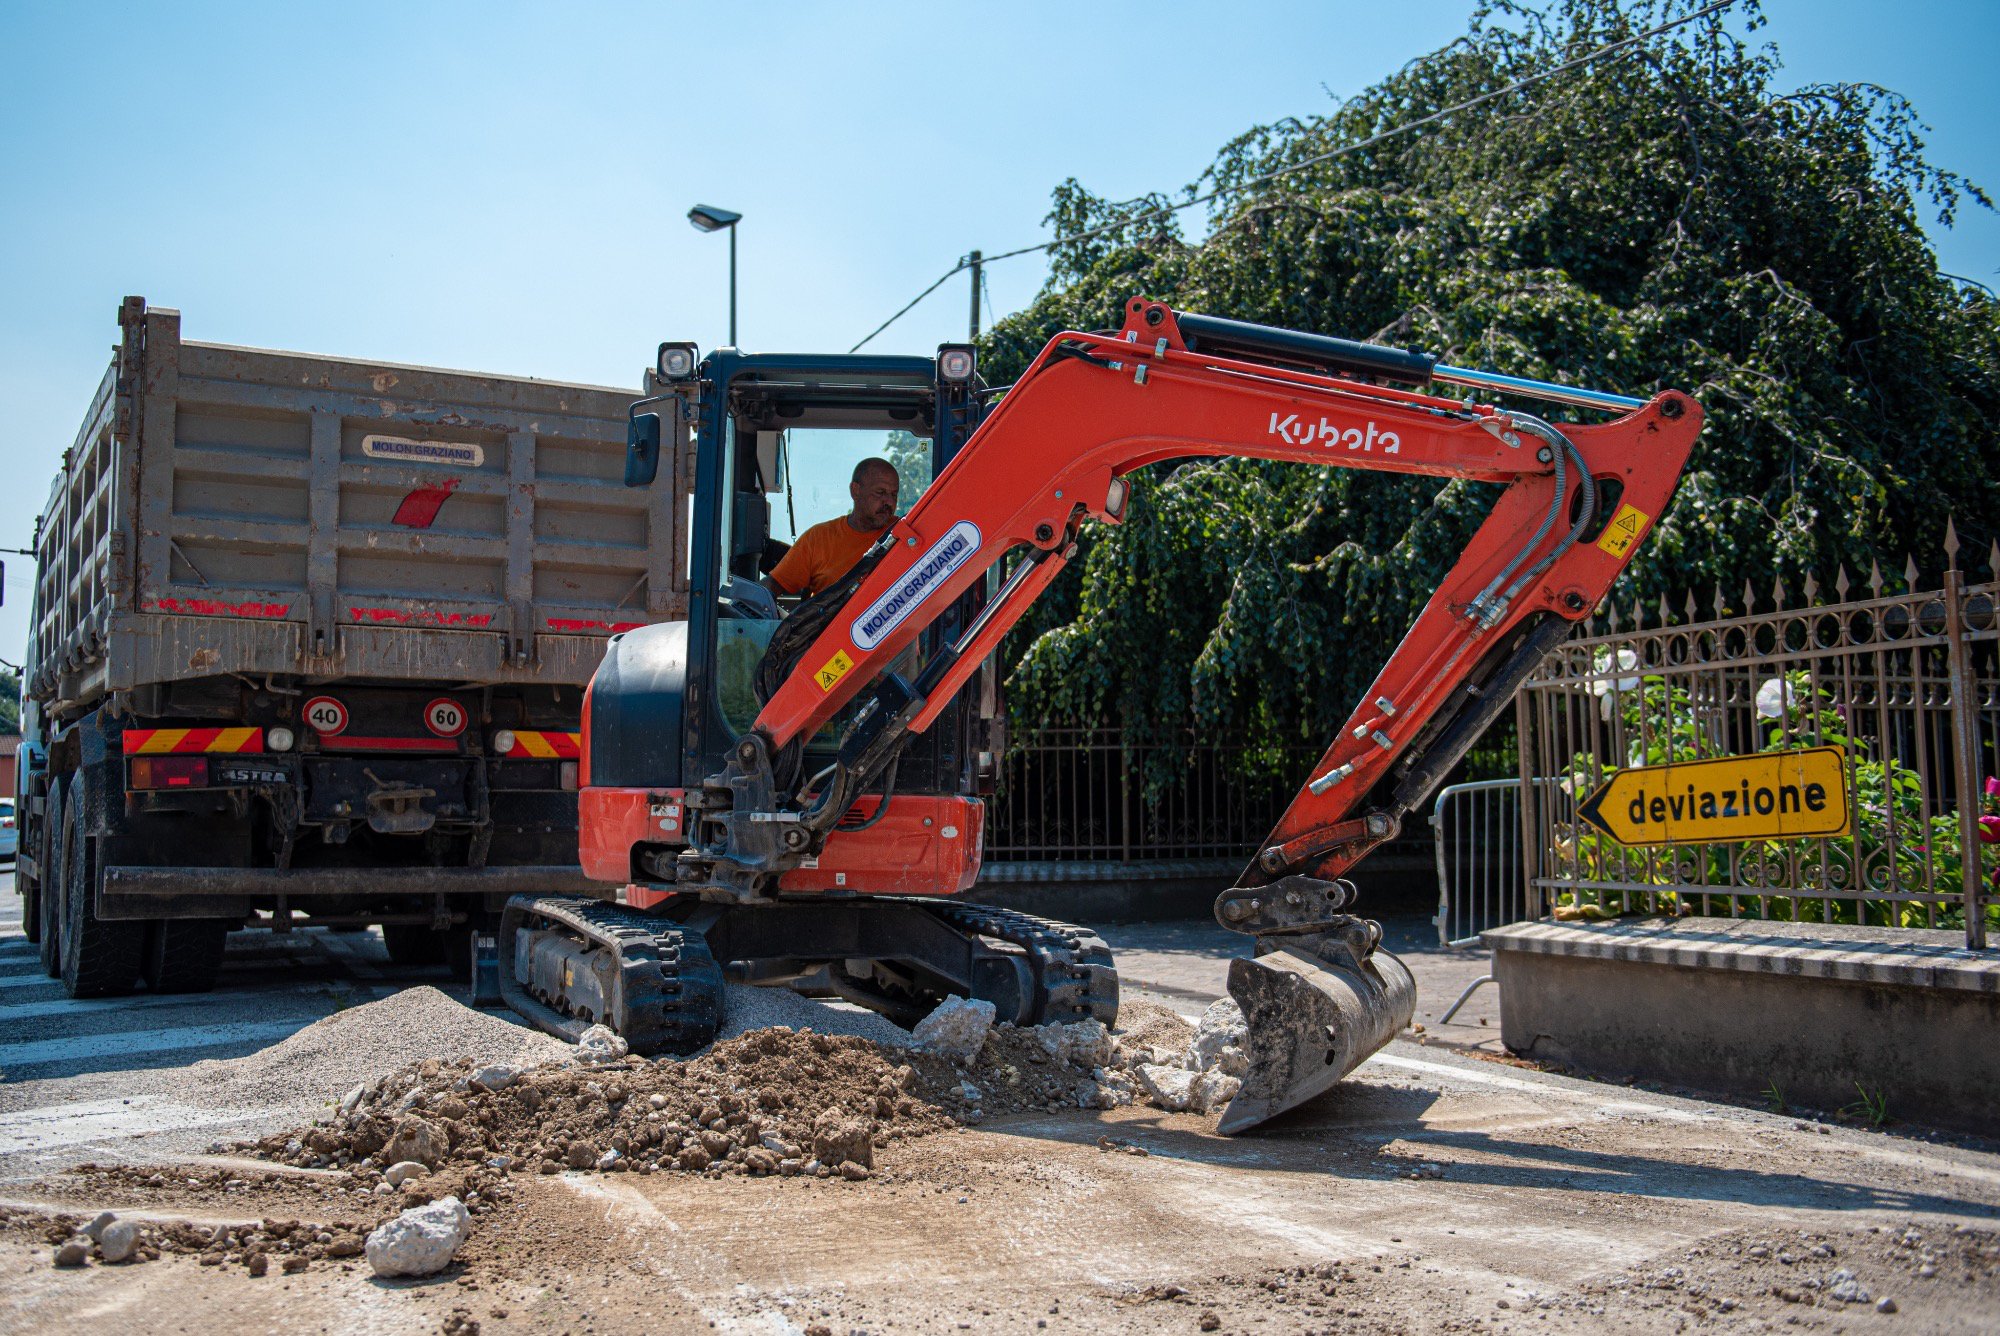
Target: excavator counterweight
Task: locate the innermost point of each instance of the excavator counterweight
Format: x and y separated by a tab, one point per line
798	787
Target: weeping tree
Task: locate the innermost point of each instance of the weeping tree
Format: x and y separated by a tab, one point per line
1664	218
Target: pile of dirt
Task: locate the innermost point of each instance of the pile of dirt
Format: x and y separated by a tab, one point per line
774	1101
255	1248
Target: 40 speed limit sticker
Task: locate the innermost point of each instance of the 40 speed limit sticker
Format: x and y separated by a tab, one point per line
325	715
445	717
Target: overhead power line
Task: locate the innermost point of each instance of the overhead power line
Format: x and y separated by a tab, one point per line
1619	47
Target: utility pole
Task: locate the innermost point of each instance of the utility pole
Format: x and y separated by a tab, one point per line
972	263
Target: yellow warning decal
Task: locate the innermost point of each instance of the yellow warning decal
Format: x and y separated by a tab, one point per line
833	670
1623	531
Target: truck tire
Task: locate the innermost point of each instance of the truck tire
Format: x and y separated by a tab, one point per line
183	955
48	857
100	957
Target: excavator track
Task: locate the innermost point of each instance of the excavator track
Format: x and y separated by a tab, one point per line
654	982
1075	977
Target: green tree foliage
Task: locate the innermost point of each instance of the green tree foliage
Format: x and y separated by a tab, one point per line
1662	219
10	701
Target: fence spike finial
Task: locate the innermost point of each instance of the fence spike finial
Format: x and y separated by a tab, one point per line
1875	577
1950	544
1993	560
1749	597
1720	611
1689	606
1909	574
1841	584
1812	589
1666	613
1777	592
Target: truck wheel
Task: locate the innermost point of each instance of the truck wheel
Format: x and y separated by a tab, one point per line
413	944
100	957
48	857
183	955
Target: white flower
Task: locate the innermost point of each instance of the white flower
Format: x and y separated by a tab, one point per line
1775	697
1603	687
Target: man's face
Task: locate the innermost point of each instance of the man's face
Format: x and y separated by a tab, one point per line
875	498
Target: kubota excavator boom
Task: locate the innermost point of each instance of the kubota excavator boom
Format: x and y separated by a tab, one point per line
1055	452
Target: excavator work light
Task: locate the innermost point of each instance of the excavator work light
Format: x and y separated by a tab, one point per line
677	360
955	362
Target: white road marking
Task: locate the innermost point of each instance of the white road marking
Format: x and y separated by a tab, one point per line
16	946
29	979
64	1006
79	1047
106	1120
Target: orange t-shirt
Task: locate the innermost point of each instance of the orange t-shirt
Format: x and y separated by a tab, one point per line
822	555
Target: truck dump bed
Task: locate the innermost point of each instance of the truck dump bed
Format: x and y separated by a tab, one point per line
243	511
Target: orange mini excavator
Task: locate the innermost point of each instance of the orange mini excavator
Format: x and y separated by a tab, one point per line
790	793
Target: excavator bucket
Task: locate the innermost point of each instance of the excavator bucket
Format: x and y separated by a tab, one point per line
1311	1022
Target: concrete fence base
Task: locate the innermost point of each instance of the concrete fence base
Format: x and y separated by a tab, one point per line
1820	1013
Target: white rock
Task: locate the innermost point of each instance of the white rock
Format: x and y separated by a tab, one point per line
403	1171
1168	1087
956	1029
1219	1039
496	1076
1212	1089
600	1044
353	1098
421	1241
1843	1286
119	1240
968	1092
1081	1043
95	1229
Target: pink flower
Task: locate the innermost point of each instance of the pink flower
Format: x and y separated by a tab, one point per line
1989	829
1992	787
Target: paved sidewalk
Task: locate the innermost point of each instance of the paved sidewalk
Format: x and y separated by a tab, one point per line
1186	961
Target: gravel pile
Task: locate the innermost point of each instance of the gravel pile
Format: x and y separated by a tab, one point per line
330	1057
747	1008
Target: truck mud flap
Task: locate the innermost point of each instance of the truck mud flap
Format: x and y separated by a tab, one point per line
1311	1022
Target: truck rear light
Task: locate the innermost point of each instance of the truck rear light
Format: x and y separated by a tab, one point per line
169	772
279	739
568	770
503	741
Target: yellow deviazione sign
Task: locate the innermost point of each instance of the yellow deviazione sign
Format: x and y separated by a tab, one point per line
1769	796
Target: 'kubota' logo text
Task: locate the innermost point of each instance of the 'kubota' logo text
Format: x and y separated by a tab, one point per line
886	613
1294	430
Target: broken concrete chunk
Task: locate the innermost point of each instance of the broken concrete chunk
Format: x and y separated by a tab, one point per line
956	1029
119	1240
1170	1088
496	1076
600	1043
1219	1039
1211	1090
1083	1043
421	1241
402	1171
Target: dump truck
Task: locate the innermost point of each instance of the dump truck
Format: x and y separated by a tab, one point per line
309	641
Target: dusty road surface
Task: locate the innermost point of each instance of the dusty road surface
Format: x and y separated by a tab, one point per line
1431	1192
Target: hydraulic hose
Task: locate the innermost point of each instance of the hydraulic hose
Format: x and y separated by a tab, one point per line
1586	484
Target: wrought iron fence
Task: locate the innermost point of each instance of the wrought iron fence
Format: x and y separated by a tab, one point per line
1082	794
1907	683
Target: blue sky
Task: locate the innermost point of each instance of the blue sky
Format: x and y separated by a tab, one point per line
503	187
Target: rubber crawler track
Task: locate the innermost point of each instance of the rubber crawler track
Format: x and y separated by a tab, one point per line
1072	966
669	996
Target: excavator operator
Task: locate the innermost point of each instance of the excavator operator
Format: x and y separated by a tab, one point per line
828	550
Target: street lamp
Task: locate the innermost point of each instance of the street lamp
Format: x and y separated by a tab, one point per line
707	219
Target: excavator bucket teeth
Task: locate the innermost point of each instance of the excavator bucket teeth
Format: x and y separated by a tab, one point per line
1310	1023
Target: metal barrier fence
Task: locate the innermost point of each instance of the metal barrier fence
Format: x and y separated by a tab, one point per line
1476	833
1907	683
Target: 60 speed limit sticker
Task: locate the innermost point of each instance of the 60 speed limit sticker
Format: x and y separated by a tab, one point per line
325	715
445	717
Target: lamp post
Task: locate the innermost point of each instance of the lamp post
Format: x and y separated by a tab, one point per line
708	219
